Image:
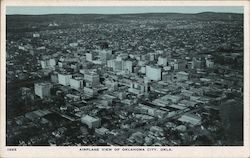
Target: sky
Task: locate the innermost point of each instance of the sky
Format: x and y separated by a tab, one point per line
37	10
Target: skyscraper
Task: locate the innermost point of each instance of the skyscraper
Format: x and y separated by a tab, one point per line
153	73
63	79
42	89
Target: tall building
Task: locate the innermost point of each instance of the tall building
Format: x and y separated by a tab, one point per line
105	55
143	70
162	61
63	79
91	79
128	66
178	64
48	63
146	82
110	63
121	65
152	56
118	65
62	64
199	63
89	56
54	77
190	65
42	89
75	66
209	62
153	73
76	83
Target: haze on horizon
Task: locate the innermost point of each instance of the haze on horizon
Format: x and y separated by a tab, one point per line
40	10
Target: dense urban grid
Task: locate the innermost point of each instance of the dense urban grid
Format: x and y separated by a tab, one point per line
124	80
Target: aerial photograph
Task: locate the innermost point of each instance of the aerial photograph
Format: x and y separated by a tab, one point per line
124	76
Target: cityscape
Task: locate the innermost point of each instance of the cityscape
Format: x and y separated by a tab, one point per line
144	79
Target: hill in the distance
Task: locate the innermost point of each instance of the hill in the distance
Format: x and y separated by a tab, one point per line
15	22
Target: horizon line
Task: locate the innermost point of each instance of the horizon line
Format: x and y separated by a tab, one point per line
44	10
126	13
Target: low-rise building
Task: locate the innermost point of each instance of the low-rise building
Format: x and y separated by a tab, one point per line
182	76
190	118
90	91
101	131
90	121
